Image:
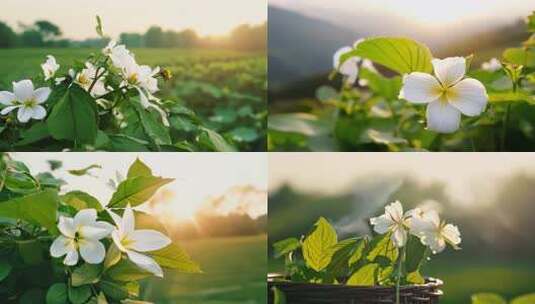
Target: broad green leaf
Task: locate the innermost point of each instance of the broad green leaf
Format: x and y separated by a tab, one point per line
520	56
531	22
113	256
138	168
74	117
176	258
81	200
244	134
47	180
79	295
501	97
278	296
380	85
286	246
126	271
488	298
98	28
358	253
5	269
37	208
415	254
125	143
101	299
57	294
385	138
401	55
415	278
525	299
21	182
31	251
136	190
119	291
215	141
364	276
342	252
154	129
382	246
86	274
84	171
317	246
38	131
302	123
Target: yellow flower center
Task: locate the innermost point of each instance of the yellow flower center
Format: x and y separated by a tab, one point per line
132	79
446	94
30	103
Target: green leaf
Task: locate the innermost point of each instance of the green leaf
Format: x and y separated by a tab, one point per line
382	246
416	254
173	256
37	132
415	278
215	141
385	138
126	271
98	28
86	274
278	296
31	251
113	256
520	56
33	296
37	208
81	200
487	298
519	96
401	55
317	246
380	85
244	134
325	93
154	129
138	168
57	294
525	299
47	180
5	269
79	295
364	276
303	123
84	171
286	246
342	252
136	190
21	182
74	117
119	291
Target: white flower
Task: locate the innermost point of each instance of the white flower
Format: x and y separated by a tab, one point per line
49	67
434	233
492	65
349	68
132	242
81	233
86	77
448	94
27	100
393	221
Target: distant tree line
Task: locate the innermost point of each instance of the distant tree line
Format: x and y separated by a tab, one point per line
46	34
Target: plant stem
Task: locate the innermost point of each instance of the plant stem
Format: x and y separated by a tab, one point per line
398	282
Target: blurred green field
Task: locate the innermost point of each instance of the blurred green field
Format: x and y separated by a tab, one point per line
234	272
227	89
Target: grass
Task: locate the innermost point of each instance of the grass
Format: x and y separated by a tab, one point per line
234	272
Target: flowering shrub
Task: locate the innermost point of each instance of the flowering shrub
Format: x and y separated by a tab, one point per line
394	256
108	102
67	247
408	100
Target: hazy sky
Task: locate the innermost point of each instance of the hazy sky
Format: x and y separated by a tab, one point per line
466	174
77	17
197	175
429	13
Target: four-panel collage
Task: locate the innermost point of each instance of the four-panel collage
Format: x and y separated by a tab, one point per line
267	152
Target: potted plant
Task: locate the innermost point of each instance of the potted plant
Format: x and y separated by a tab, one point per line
385	268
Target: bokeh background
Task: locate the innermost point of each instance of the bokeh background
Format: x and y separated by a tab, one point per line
304	35
488	195
216	53
216	209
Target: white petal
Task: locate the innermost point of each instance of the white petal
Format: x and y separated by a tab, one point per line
399	237
93	252
144	101
442	117
66	227
381	224
420	88
436	244
85	217
420	226
41	94
145	262
469	96
129	221
433	218
117	240
148	240
450	70
24	114
338	55
71	258
6	98
394	211
92	232
350	68
38	112
451	234
61	246
7	110
23	89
